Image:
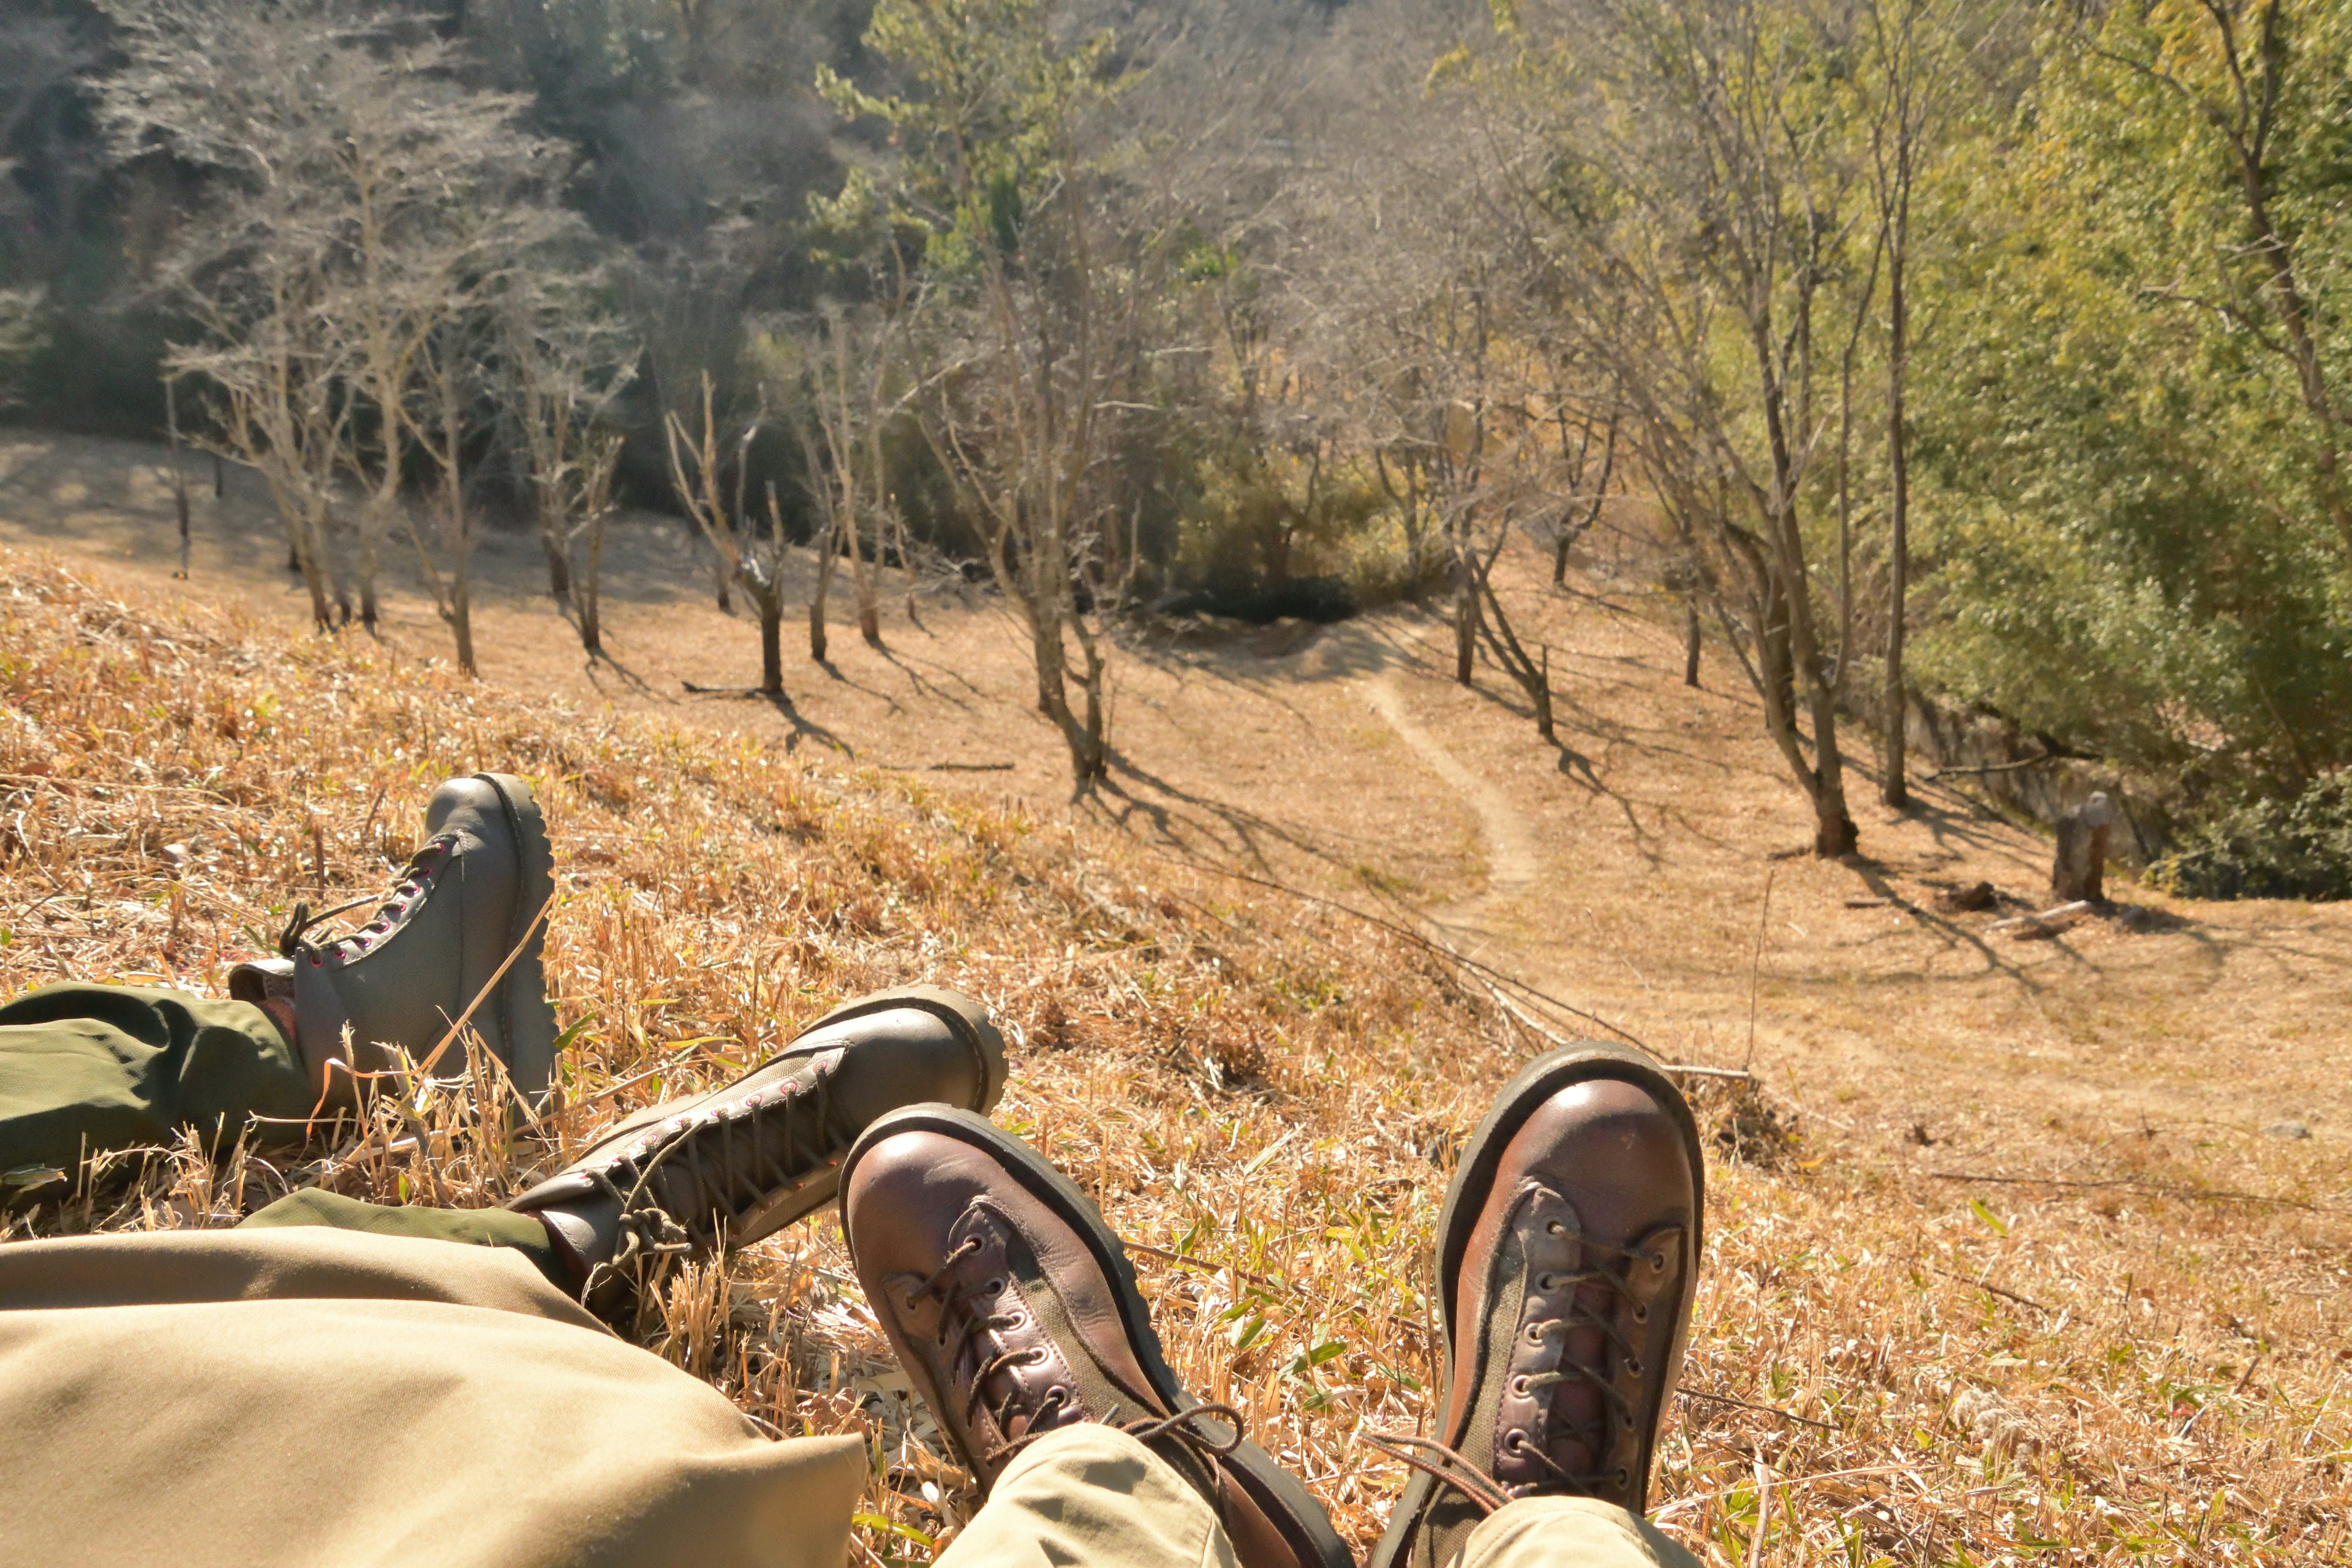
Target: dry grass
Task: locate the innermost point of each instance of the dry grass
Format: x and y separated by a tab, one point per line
1266	1095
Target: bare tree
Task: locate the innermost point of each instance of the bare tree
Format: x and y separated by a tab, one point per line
697	464
564	361
279	407
408	145
1036	286
1691	213
837	372
238	95
361	201
594	470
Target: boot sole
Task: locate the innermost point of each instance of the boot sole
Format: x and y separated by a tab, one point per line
1587	1061
1282	1496
526	1018
966	1017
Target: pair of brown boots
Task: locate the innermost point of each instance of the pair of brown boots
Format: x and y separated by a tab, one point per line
1569	1248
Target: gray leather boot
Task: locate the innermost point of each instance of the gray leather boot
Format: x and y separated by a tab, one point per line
469	903
726	1168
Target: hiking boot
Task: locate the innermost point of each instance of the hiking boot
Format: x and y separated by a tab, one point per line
726	1168
1015	1313
463	931
1568	1252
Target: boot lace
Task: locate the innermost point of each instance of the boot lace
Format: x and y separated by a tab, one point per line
413	879
960	1324
1616	1407
705	1177
1451	1468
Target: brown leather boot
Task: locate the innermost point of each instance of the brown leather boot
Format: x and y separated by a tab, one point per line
1568	1253
1015	1311
726	1168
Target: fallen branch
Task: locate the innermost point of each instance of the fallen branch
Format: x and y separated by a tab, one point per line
1529	1020
2048	923
2000	767
2158	1189
1759	1409
1420	939
1991	1289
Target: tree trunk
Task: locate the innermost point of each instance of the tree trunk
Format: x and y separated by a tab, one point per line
1833	830
2078	869
302	556
372	518
220	480
1053	688
559	570
771	638
461	617
823	591
1894	789
1560	558
1465	626
461	575
1541	691
457	538
180	505
869	622
1690	639
591	625
589	591
1773	645
1089	746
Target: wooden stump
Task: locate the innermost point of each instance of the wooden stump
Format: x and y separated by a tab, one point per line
2082	856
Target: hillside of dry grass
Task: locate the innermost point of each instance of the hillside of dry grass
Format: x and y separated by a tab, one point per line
1265	1094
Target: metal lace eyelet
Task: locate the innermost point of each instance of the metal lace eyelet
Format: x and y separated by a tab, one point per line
1535	1333
1515	1441
1519	1386
1555	1227
1625	1477
1641	1312
1658	1262
1627	1420
1634	1365
995	1287
1040	1356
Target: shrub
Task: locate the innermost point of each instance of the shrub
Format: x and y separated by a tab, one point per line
2298	849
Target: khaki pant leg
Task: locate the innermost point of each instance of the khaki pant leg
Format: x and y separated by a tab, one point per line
1087	1495
314	1396
1570	1532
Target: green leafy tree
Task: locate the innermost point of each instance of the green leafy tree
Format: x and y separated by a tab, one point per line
998	174
2136	425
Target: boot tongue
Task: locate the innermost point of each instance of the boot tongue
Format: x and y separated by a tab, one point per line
1552	1421
261	980
1578	1414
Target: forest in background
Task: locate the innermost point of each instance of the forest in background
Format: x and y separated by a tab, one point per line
1913	349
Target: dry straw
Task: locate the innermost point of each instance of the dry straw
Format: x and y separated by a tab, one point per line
1266	1095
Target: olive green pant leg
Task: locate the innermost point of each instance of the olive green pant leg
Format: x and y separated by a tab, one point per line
85	1069
471	1227
1570	1532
